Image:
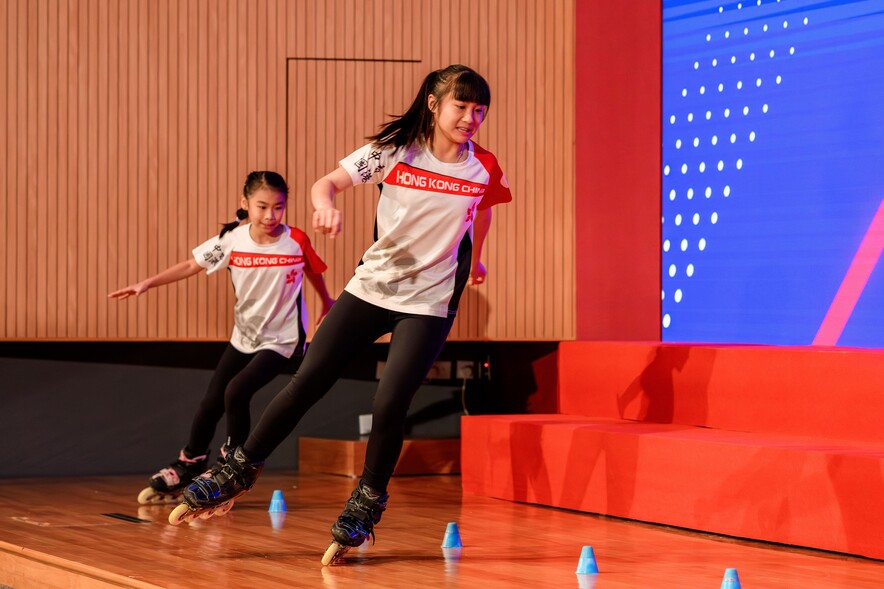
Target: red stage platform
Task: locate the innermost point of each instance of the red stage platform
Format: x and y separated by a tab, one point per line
770	443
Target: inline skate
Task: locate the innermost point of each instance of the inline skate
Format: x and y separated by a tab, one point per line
353	527
214	494
167	485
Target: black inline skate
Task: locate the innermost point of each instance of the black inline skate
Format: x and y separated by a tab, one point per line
215	494
167	485
353	527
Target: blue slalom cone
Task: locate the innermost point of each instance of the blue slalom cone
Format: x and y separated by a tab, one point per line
731	579
587	565
452	537
277	503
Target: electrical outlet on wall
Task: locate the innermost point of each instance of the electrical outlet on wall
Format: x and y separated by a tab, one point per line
466	369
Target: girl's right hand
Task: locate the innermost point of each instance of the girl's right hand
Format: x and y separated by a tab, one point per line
131	290
328	221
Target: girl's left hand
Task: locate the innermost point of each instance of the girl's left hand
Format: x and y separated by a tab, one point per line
477	274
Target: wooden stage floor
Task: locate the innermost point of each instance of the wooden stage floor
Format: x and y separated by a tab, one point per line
89	532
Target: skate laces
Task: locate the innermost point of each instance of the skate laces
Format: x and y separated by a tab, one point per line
223	453
183	459
171	475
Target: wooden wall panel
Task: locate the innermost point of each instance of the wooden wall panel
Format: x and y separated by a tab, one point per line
128	126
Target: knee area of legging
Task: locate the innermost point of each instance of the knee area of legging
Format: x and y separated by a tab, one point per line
234	397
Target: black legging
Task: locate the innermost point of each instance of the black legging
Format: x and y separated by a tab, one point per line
352	325
236	380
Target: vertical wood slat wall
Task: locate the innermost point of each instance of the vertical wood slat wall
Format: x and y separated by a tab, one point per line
128	126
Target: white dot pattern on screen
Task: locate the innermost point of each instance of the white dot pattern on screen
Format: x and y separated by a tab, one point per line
728	48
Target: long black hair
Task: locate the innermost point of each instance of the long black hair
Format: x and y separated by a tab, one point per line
256	181
416	124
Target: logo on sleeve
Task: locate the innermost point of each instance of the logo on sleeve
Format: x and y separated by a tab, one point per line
214	256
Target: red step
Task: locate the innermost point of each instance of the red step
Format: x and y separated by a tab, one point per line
776	444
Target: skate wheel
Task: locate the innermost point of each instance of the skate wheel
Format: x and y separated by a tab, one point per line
180	514
148	496
223	508
333	553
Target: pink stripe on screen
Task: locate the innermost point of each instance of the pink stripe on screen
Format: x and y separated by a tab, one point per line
854	282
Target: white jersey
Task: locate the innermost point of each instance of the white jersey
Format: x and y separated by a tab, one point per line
420	260
270	313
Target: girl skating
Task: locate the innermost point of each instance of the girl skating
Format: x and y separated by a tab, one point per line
267	261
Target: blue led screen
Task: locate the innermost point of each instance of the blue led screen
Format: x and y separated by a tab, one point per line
773	172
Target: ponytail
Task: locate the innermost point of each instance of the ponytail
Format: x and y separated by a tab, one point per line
241	215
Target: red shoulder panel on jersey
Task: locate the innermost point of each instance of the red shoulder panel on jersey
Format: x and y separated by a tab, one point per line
498	190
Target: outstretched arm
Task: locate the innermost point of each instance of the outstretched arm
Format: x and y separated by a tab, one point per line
326	218
481	225
173	274
318	283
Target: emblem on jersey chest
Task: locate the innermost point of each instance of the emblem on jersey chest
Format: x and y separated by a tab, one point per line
471	213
